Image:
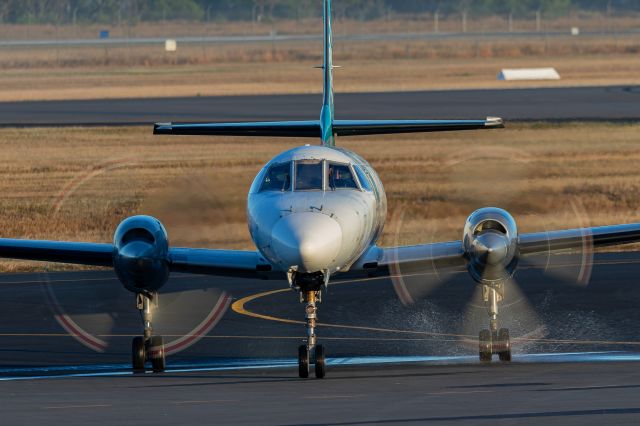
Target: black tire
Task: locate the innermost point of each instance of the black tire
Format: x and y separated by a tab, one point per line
505	345
303	362
321	366
484	343
138	355
156	353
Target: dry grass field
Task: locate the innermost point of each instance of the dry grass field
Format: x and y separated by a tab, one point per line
234	69
77	184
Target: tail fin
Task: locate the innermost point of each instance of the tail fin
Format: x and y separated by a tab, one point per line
327	127
327	112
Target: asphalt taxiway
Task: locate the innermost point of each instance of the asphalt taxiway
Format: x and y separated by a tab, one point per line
576	351
607	103
554	394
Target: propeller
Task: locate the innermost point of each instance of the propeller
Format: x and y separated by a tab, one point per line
100	313
470	180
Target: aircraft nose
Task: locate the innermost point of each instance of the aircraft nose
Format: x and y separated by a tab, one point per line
310	241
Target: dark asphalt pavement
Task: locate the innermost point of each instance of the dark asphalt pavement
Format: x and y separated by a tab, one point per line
576	352
617	103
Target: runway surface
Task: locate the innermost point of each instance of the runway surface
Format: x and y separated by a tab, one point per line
616	103
576	351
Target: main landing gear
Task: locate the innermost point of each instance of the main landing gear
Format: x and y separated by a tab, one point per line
311	294
494	341
147	347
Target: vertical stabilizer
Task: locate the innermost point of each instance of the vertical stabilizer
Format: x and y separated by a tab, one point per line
326	115
327	127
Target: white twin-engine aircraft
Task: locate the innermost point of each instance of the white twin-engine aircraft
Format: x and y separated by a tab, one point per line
315	212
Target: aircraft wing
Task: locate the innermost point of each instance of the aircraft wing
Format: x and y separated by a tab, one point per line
314	129
229	263
387	261
232	263
92	254
602	236
451	254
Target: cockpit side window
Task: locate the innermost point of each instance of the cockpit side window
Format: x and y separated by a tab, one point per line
309	175
278	178
340	177
365	183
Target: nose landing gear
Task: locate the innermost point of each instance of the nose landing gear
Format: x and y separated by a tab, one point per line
309	287
494	341
147	347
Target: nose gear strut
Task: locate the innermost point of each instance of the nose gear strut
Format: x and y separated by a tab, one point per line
310	288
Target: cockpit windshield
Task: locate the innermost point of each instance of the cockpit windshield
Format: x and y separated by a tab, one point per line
309	175
340	177
278	178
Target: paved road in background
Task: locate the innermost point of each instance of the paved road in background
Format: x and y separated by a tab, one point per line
562	104
287	38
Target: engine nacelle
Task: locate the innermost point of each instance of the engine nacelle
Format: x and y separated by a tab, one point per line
490	243
141	254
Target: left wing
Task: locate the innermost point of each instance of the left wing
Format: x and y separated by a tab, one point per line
389	261
554	241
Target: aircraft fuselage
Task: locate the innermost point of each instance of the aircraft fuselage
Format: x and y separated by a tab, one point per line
316	209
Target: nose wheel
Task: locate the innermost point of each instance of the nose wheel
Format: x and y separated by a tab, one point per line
309	287
320	362
304	362
147	347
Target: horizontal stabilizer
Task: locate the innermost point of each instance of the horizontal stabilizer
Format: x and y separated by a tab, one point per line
384	127
312	129
300	129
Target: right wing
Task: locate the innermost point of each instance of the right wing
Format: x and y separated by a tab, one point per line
230	263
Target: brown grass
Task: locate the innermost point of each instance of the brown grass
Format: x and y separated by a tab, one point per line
77	184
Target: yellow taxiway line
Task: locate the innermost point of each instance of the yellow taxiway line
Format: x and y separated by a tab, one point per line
239	307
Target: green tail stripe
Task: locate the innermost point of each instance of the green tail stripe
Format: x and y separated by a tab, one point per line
326	115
